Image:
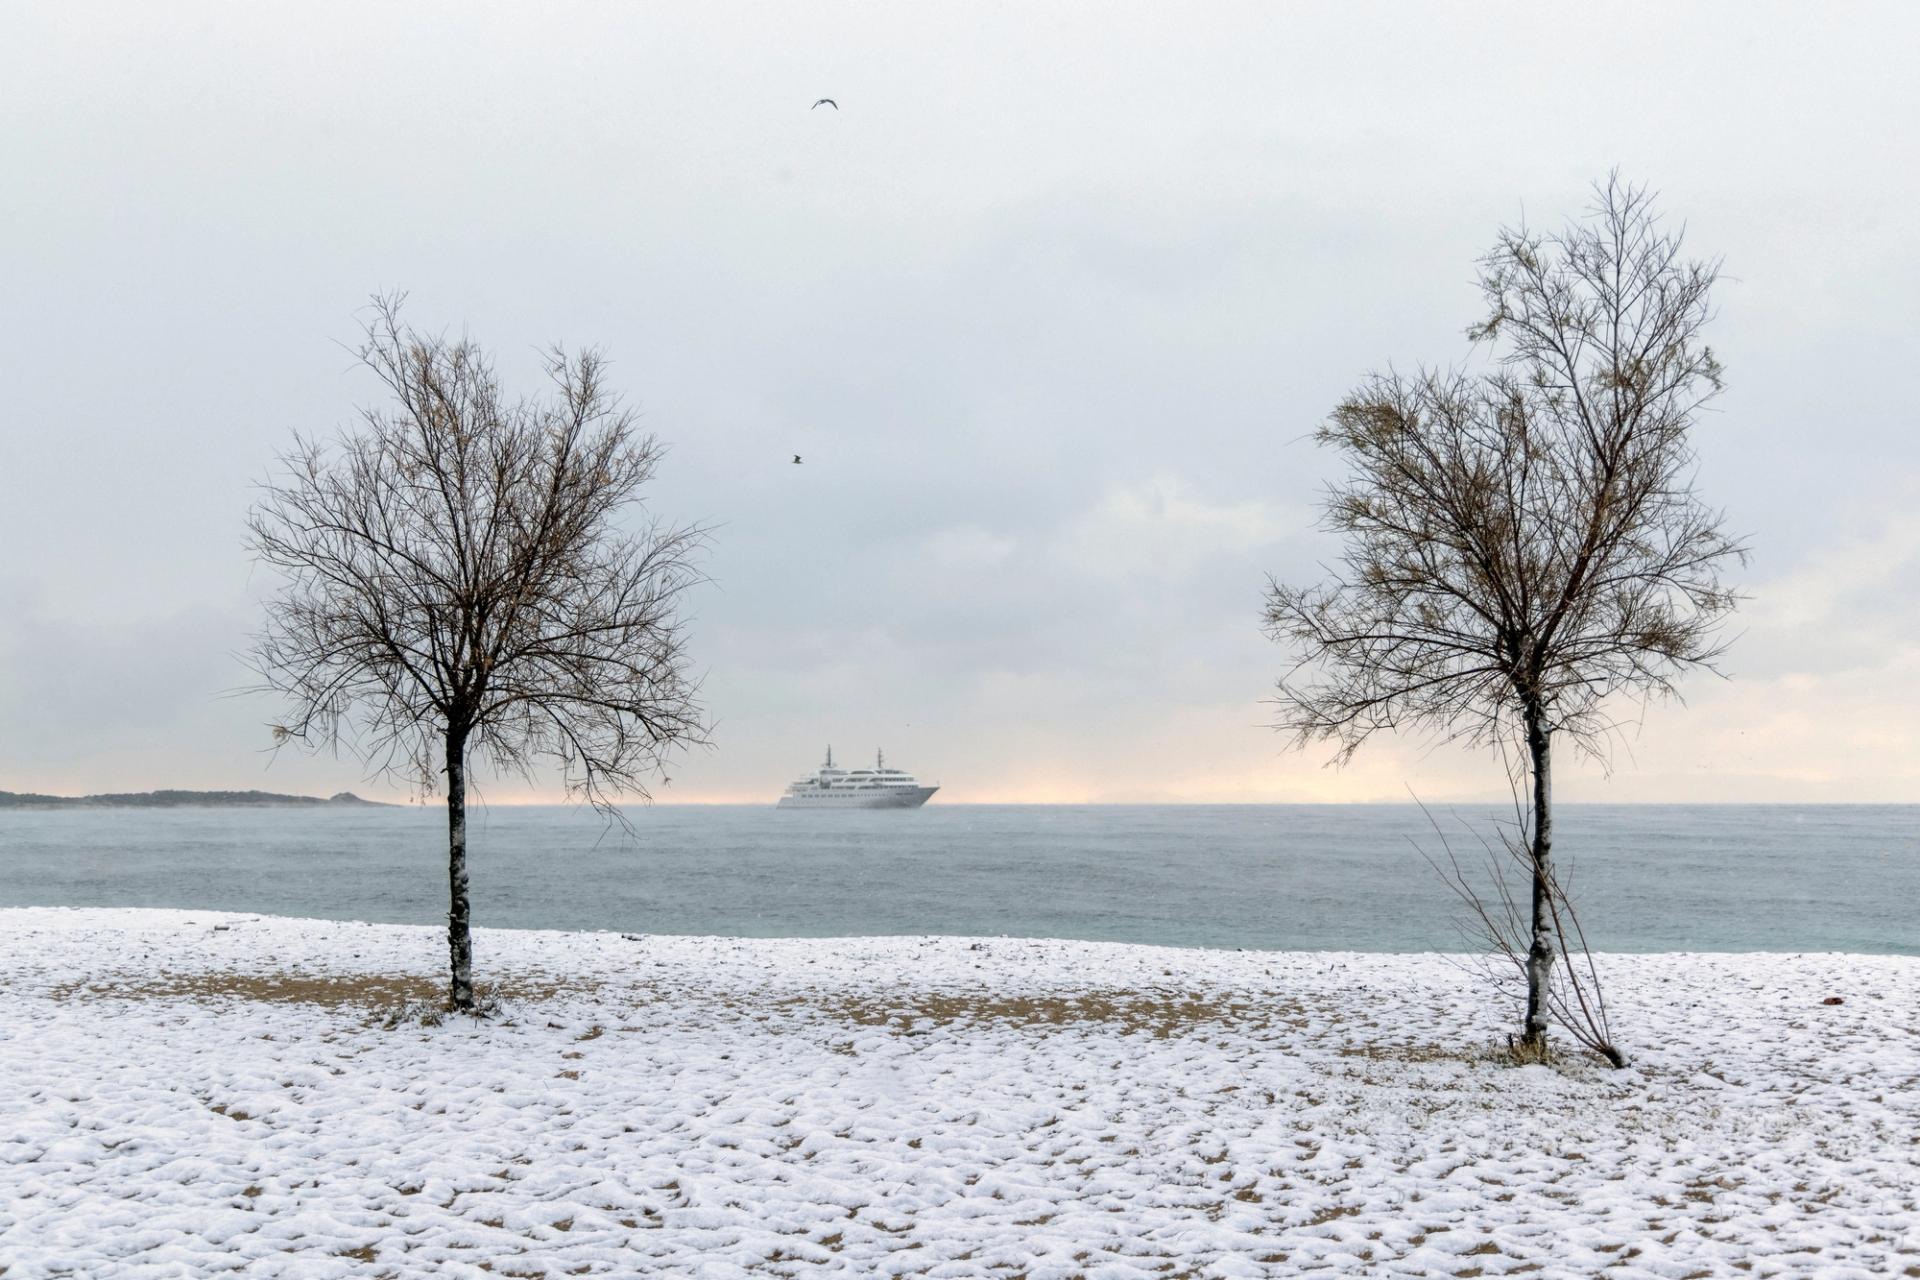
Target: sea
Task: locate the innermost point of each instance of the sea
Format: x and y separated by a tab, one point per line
1295	877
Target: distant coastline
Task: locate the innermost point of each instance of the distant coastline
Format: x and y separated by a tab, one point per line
182	800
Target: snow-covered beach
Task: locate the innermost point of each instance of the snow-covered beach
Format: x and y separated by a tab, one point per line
186	1093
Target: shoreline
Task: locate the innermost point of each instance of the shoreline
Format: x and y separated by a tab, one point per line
26	802
211	917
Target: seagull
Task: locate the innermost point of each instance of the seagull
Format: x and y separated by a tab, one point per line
829	101
796	459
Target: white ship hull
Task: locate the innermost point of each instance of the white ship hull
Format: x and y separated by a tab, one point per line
877	798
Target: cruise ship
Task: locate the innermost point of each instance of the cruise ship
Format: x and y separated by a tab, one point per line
875	788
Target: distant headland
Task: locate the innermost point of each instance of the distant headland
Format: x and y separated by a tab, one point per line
179	800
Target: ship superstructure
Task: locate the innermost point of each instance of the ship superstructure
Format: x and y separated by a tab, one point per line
830	787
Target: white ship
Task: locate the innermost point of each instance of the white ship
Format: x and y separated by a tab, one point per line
875	788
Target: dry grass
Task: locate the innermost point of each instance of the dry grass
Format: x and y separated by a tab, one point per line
330	991
416	997
1160	1014
1520	1053
1410	1053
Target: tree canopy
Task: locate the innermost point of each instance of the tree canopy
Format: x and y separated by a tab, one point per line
1526	535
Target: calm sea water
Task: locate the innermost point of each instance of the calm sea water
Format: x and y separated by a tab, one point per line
1778	878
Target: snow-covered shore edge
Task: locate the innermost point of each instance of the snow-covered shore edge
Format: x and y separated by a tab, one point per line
203	1089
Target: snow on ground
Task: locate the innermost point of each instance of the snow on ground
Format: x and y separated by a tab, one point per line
195	1094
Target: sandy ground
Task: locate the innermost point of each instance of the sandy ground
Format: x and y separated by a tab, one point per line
195	1094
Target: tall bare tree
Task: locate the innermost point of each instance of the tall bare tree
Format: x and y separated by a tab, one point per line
463	579
1524	543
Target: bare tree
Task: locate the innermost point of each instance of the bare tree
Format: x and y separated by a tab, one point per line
460	583
1498	925
1524	543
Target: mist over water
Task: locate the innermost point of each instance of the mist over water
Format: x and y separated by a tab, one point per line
1647	878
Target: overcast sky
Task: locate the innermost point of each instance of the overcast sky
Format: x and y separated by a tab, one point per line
1048	305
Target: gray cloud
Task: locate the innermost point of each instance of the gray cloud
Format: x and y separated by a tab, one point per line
1048	308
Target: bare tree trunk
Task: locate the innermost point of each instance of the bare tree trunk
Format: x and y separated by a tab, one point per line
459	936
1540	951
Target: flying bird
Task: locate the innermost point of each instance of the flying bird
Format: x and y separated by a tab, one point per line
796	459
829	101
